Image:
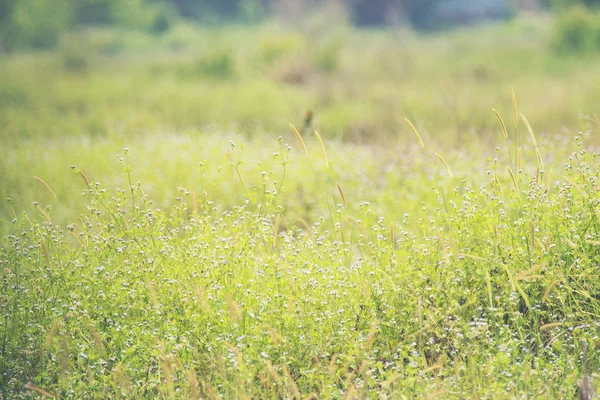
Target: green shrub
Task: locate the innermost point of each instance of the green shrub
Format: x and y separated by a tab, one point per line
577	30
12	95
35	23
327	55
272	47
219	63
160	24
75	55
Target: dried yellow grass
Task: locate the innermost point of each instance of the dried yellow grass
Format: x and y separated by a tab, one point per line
579	188
416	133
195	203
530	273
273	372
293	387
276	338
235	313
194	386
85	179
97	340
305	225
46	185
276	227
46	253
332	366
371	335
551	325
39	390
514	181
299	138
535	143
342	195
445	164
514	104
322	149
501	122
43	212
549	290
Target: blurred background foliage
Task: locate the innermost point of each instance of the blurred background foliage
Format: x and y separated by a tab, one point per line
42	23
79	78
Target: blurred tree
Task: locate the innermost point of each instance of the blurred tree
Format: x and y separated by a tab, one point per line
577	30
428	14
419	12
370	12
137	14
6	7
94	11
217	10
39	23
563	4
34	23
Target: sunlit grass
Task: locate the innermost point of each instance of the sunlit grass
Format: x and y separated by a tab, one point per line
167	234
455	285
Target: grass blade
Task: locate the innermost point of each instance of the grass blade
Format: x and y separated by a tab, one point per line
504	132
299	138
514	104
322	149
46	185
445	165
416	133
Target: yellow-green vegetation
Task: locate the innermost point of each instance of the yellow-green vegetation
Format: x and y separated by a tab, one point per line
167	234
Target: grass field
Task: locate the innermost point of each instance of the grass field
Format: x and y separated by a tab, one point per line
167	234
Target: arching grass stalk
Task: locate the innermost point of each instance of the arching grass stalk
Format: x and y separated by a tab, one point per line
505	135
127	170
517	165
303	144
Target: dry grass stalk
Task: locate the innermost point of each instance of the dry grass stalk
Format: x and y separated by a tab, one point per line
44	213
322	149
46	253
514	181
292	383
235	313
342	194
416	133
194	385
445	165
504	132
273	372
276	229
305	225
46	185
549	290
514	104
299	138
98	340
40	391
535	143
85	179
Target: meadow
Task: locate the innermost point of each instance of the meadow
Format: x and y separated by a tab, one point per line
175	225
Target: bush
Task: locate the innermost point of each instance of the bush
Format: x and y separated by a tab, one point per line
327	55
577	30
34	23
565	4
160	24
273	47
75	55
218	64
41	23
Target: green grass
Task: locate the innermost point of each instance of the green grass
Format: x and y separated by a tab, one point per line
168	236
